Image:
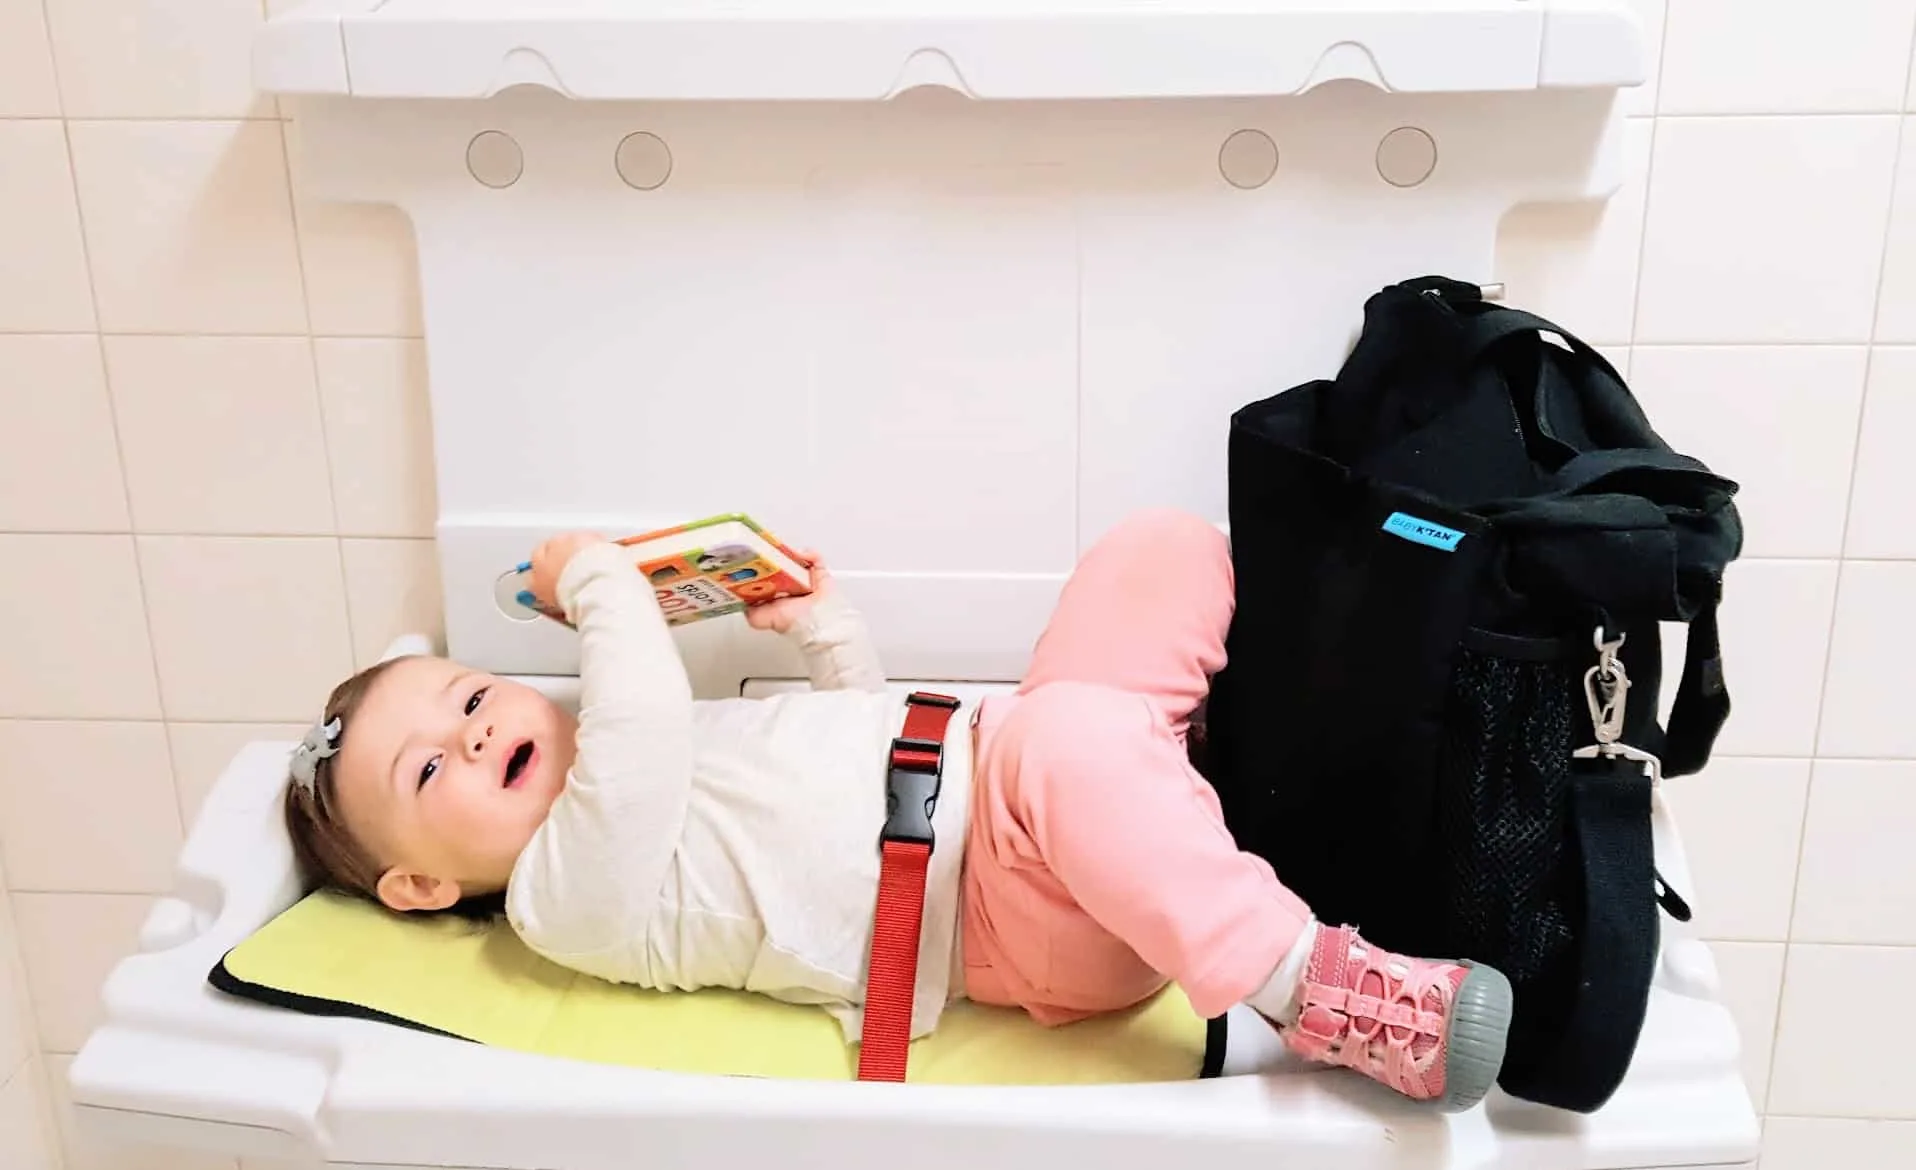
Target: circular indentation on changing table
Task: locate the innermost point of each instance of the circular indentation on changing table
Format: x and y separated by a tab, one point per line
506	594
494	158
644	161
1247	159
1406	156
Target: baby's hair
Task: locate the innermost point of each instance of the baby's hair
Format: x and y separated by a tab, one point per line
325	850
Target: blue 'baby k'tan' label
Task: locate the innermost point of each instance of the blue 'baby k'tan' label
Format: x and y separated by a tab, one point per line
1422	531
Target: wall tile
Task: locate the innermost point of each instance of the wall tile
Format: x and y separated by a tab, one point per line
1866	706
1717	265
88	1151
246	628
1896	303
1780	420
16	1013
1885	474
1775	624
71	942
1752	976
139	59
378	435
392	588
189	226
362	272
1576	263
26	1135
201	752
59	460
1857	882
1785	57
221	434
87	807
28	88
41	252
1740	820
1827	1143
100	667
1829	1060
362	264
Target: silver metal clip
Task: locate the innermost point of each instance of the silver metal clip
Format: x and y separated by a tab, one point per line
1606	687
1652	766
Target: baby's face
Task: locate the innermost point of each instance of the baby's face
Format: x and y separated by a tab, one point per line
445	773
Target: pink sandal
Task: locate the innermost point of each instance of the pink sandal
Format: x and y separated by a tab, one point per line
1430	1030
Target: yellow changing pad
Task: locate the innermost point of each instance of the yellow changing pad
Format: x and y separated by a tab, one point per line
329	954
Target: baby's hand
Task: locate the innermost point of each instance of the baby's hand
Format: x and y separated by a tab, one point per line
550	559
779	616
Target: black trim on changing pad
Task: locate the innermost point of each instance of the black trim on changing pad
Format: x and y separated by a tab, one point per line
1217	1035
224	980
1216	1032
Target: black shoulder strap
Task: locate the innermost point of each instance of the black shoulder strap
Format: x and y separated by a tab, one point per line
1617	944
1702	700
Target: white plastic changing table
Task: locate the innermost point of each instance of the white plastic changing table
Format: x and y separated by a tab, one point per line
943	288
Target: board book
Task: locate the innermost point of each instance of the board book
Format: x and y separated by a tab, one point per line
705	569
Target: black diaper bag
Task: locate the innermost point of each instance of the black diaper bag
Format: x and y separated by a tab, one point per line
1439	721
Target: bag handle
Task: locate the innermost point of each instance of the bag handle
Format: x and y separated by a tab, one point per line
1573	481
1702	703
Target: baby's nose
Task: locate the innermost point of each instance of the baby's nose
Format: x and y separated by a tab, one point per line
479	743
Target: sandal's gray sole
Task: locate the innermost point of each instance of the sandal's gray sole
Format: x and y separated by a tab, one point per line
1479	1022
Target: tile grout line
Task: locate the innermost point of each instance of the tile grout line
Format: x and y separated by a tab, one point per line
1649	190
106	382
55	1137
1872	1118
212	335
1777	115
1842	563
1598	341
284	130
1636	330
171	534
142	720
1741	941
113	419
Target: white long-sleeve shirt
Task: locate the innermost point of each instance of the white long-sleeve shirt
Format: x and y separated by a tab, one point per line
734	842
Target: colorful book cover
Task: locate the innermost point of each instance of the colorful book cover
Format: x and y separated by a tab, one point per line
704	569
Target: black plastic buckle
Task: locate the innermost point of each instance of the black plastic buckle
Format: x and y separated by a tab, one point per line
911	792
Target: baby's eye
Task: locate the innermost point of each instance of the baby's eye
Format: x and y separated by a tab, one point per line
472	704
426	773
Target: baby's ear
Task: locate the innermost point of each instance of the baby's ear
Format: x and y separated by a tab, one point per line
404	890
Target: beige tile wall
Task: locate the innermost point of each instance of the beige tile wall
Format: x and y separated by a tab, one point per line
215	483
27	1139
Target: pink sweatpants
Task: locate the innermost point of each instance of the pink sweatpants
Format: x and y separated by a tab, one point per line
1097	866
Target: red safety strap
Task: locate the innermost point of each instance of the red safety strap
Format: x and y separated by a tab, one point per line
912	780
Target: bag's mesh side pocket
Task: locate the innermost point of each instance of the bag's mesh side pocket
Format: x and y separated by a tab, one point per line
1502	808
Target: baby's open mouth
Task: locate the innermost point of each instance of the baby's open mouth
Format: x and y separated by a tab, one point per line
517	763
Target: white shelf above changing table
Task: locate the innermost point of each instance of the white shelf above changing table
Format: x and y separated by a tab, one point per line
723	50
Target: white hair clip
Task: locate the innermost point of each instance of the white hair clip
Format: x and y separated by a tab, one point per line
320	743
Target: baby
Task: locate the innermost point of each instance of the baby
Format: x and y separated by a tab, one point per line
679	844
